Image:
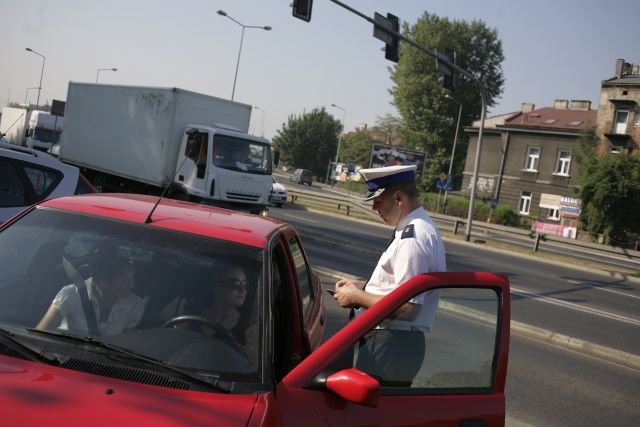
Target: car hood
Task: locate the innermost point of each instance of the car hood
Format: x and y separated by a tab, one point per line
35	394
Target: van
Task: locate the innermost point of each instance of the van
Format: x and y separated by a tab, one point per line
302	176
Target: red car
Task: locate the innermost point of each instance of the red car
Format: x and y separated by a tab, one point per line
217	320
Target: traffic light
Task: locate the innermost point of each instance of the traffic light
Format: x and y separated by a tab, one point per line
302	9
392	49
447	54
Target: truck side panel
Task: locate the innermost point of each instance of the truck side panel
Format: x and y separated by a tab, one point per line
119	130
14	123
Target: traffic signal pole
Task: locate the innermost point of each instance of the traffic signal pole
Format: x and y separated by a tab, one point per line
481	89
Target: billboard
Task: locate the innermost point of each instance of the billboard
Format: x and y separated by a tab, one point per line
387	155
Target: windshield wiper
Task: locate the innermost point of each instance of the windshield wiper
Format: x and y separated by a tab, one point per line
215	384
36	354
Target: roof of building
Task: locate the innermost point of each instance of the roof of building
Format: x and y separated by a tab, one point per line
491	122
633	80
553	119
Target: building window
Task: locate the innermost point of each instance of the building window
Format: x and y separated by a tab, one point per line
564	163
533	157
554	215
620	122
636	118
525	202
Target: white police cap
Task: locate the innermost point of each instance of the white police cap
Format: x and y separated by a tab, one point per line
378	179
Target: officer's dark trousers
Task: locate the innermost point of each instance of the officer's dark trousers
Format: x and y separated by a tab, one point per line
394	357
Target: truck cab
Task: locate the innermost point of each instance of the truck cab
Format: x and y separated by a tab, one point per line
224	167
43	130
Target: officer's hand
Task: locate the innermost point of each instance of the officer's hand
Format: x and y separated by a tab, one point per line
345	282
347	295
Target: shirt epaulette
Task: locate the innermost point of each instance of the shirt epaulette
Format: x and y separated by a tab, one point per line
408	232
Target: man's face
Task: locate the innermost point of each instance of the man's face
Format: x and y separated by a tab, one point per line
387	207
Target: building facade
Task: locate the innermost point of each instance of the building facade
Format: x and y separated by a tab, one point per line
618	123
526	162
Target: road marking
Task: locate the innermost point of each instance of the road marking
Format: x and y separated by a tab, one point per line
600	288
577	307
300	218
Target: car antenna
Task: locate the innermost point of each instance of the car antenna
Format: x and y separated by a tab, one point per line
166	189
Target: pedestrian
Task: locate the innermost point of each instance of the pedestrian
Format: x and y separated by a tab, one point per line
394	350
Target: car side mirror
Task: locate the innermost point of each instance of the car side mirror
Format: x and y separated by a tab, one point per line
354	386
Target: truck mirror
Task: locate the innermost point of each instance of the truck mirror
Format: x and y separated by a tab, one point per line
276	158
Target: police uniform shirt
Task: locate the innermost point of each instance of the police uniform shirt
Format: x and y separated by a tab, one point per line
416	248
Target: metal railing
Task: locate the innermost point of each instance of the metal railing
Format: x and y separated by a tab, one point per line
350	205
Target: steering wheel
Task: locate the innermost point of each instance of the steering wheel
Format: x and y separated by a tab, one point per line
220	331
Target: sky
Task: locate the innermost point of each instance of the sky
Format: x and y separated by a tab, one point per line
559	49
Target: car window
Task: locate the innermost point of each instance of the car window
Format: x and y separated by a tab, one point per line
303	274
43	180
12	191
454	348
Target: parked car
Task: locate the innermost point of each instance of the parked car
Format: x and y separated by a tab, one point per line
28	176
278	194
177	365
302	176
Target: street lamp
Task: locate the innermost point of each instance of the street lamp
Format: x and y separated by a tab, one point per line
262	124
453	150
103	69
266	28
344	114
26	95
41	73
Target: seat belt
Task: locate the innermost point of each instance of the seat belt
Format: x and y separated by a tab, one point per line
81	285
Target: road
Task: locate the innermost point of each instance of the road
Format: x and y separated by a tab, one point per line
547	384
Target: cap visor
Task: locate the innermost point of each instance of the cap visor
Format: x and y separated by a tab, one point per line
372	194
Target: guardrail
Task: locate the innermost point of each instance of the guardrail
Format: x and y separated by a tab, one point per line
537	241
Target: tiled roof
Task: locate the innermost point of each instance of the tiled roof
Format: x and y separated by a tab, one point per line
553	119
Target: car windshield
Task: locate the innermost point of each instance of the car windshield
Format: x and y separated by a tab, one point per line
185	300
241	155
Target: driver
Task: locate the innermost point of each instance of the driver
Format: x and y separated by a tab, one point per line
226	299
109	291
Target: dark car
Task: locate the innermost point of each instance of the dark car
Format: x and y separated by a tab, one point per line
302	176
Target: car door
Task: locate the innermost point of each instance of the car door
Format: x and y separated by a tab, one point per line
462	378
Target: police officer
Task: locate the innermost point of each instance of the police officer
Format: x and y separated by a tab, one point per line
394	350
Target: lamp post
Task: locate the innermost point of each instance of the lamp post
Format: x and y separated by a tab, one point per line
28	49
26	95
344	114
244	27
103	69
453	150
262	123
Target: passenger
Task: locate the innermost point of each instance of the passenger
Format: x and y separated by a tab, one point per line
113	305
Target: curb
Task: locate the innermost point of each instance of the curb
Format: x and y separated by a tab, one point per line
566	342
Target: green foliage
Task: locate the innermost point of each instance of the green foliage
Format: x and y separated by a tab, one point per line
356	147
610	192
586	155
505	216
309	141
429	117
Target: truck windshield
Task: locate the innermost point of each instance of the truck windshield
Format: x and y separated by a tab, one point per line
46	135
241	155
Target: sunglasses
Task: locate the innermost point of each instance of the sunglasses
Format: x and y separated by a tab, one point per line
234	284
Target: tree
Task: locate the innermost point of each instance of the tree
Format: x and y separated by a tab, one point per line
356	147
309	141
610	192
429	118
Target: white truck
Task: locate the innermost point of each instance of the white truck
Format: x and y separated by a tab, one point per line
32	128
43	130
14	124
145	140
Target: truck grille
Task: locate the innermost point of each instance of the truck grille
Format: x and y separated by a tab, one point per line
243	197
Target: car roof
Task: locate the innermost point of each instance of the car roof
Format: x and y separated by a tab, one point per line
171	214
34	156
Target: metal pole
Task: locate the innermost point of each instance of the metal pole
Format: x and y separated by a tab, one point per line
233	92
453	151
41	73
476	166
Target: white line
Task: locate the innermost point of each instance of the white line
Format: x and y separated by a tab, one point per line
600	288
299	218
577	307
